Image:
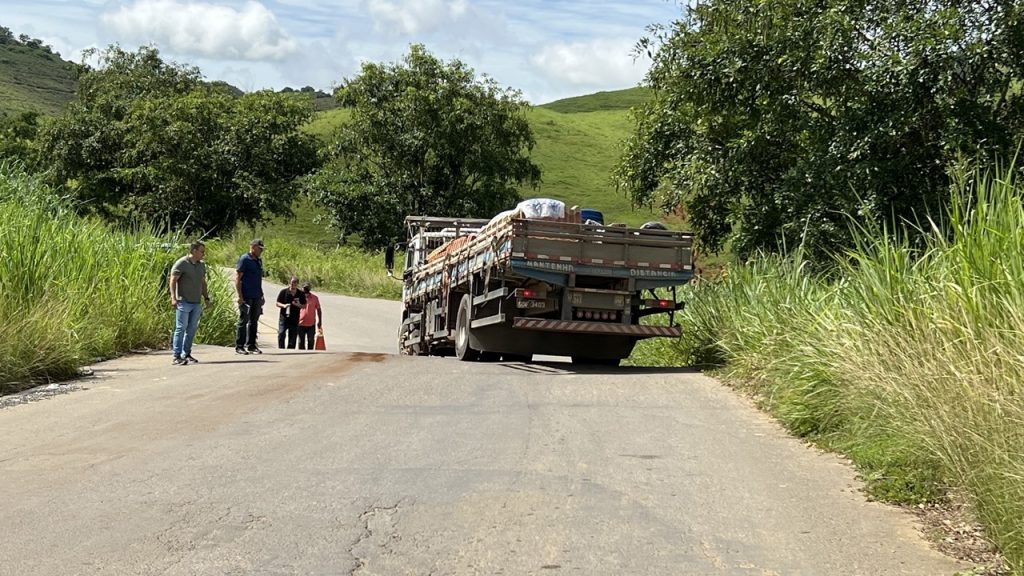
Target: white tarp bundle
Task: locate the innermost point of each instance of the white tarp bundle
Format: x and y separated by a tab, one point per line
542	208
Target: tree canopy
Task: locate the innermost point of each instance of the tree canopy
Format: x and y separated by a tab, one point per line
776	120
425	137
17	138
147	139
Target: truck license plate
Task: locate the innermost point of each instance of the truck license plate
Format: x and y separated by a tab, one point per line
524	303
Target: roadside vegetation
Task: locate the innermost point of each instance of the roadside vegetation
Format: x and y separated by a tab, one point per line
176	153
75	290
769	122
424	136
906	358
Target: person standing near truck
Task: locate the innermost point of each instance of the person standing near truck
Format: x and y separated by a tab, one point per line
311	318
291	300
187	285
249	287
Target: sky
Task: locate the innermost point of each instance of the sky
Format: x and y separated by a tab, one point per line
548	49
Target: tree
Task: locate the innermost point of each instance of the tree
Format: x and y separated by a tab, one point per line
18	136
425	137
149	140
776	120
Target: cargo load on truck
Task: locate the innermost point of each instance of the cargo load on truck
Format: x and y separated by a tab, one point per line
538	279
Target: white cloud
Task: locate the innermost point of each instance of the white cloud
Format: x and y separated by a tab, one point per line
203	29
276	43
598	63
321	64
410	17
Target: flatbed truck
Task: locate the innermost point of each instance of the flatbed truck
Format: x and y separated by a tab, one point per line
517	287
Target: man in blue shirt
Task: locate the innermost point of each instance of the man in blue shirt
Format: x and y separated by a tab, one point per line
249	287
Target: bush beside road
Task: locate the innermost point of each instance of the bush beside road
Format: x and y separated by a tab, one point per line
75	290
908	359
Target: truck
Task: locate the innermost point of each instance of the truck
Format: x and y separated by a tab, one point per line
510	288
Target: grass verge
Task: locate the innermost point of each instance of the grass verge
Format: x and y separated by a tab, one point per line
908	359
74	290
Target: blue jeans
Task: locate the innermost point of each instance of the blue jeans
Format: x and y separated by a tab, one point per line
186	320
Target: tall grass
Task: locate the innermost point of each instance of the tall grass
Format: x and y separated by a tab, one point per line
909	359
73	290
344	269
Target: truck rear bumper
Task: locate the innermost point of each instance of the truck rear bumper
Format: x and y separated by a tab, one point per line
637	331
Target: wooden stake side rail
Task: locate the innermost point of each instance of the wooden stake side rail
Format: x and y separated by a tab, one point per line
568	231
494	245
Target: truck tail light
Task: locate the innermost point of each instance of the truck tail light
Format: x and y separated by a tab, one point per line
529	293
667	304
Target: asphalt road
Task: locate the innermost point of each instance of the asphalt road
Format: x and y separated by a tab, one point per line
357	461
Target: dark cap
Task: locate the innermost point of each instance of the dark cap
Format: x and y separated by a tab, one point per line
257	242
307	286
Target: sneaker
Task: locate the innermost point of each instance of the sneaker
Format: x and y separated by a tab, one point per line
255	350
179	361
241	351
190	359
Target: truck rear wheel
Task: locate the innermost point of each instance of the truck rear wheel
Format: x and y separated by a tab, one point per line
463	349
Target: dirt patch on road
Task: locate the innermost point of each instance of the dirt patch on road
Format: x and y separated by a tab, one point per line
142	410
955	531
216	406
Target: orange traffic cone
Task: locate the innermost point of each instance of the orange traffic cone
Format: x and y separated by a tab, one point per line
320	344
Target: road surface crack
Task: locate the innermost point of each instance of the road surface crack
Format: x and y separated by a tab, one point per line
379	532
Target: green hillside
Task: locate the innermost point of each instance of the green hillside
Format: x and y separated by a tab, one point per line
576	153
575	150
32	77
326	122
614	100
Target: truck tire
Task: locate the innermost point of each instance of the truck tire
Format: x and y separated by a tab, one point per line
409	340
463	350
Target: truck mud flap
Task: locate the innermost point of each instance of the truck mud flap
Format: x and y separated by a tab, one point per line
638	331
